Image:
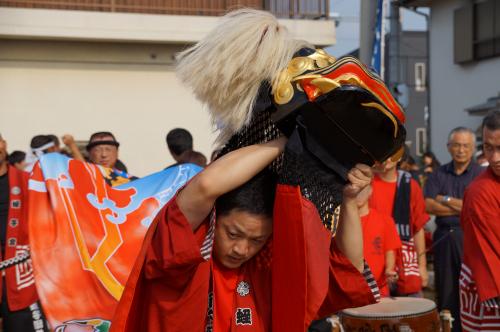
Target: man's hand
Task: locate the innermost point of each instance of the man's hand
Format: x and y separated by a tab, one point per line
454	203
391	276
432	206
360	176
68	140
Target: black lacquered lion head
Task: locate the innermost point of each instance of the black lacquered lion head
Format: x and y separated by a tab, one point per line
344	113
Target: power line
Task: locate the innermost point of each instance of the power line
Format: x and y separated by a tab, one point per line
341	18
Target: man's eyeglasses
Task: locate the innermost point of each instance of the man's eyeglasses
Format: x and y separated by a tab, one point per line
458	146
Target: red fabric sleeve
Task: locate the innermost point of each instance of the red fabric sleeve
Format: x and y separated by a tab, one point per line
151	296
418	216
300	261
391	236
311	278
480	222
174	247
348	287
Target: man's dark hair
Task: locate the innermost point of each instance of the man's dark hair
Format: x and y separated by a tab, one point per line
39	141
430	154
462	130
102	134
179	140
254	197
492	120
16	157
54	139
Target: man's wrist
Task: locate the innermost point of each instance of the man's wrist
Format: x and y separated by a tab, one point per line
422	262
445	199
350	202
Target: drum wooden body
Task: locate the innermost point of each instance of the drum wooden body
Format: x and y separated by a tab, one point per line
400	314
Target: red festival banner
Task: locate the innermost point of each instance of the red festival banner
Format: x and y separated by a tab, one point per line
85	236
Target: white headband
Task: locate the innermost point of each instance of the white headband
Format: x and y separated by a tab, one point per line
39	151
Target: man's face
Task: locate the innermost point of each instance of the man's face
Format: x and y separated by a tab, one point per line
427	161
21	165
3	150
104	155
239	236
461	147
491	149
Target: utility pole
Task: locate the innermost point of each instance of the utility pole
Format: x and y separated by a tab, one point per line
394	78
367	20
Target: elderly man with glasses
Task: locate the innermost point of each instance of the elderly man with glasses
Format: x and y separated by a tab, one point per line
443	193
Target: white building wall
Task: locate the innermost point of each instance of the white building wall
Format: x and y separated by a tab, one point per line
138	103
454	87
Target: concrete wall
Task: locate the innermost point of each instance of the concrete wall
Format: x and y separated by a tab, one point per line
454	87
50	87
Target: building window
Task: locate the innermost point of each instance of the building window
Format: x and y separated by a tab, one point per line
477	31
421	146
420	77
486	29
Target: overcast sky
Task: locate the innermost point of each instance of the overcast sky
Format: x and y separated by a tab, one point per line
348	28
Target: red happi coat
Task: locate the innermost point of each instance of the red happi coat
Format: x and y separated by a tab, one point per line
21	291
480	275
383	200
409	280
169	287
480	221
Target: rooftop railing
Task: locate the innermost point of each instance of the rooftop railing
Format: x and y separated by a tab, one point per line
298	9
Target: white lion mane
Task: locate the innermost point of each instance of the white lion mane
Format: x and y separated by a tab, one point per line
226	68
